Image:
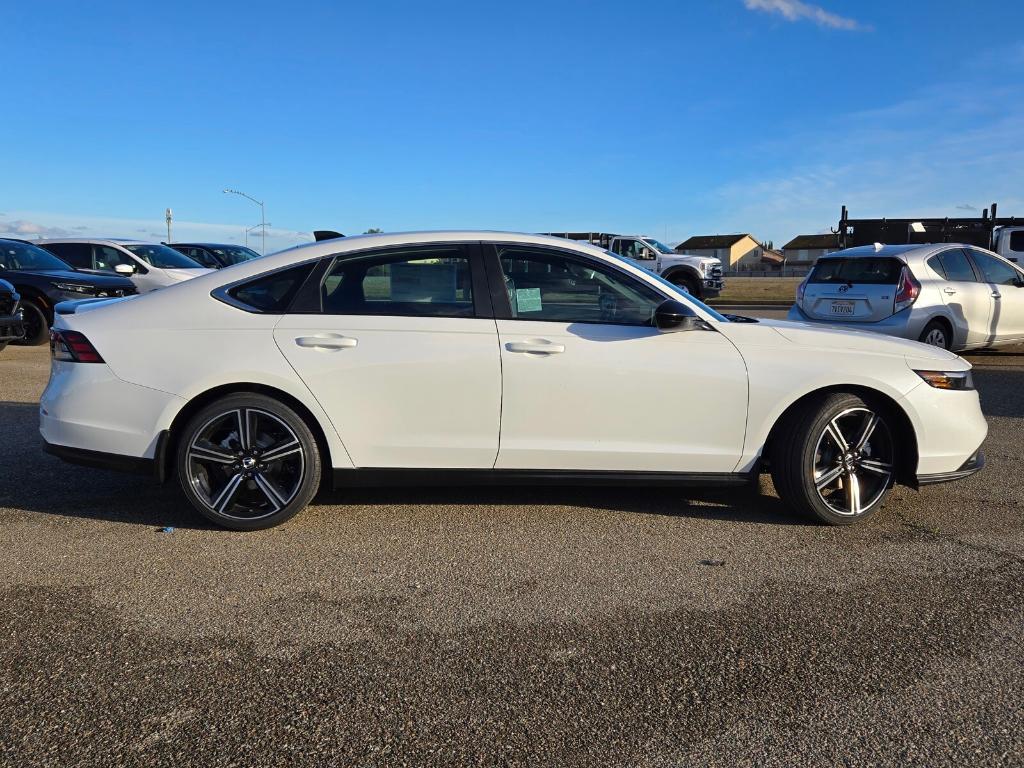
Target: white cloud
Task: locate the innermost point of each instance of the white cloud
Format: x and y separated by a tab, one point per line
23	228
795	10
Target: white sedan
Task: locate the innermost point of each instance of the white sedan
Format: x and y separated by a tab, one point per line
468	357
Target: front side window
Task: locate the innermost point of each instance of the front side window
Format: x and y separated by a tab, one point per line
1017	241
162	257
106	258
956	266
996	271
420	282
552	286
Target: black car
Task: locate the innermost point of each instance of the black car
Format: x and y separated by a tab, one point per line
11	326
215	255
43	280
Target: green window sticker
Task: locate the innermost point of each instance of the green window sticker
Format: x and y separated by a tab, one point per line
528	300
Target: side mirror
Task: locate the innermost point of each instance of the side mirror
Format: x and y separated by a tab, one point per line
124	269
646	253
672	315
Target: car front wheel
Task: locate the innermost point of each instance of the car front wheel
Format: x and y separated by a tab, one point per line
37	328
247	462
834	460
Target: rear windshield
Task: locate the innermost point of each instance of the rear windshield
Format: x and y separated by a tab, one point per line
869	270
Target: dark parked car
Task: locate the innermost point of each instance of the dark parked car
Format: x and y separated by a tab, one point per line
43	280
216	255
11	326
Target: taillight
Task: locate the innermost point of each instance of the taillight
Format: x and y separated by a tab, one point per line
72	347
907	291
800	290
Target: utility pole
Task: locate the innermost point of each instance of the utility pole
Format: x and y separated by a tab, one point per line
263	216
168	217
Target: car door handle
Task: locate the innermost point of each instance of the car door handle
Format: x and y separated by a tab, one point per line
537	347
949	291
996	295
326	341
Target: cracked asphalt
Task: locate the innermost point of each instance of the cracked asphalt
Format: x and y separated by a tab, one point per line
564	627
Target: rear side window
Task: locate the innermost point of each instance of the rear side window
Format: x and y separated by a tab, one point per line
271	293
956	267
868	270
936	265
78	255
423	282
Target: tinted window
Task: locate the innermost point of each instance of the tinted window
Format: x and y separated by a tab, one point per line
546	285
162	257
936	265
78	255
956	267
22	256
234	254
868	270
200	256
996	271
1017	240
423	282
274	292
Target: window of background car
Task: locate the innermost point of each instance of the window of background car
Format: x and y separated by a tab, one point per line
235	254
22	256
200	256
552	286
422	282
996	271
936	266
162	257
106	258
1017	241
271	293
870	270
956	266
78	255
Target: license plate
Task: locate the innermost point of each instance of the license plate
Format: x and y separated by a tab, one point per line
842	307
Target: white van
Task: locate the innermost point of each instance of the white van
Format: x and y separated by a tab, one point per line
149	265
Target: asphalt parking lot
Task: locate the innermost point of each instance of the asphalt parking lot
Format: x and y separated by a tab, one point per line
509	626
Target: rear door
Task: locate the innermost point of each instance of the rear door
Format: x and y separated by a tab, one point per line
968	300
400	348
1006	288
852	288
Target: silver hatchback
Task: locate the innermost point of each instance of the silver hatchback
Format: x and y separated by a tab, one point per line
948	295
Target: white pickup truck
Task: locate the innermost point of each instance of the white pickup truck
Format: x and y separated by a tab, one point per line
698	275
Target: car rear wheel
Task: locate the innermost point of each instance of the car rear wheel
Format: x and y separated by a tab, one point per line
834	459
936	334
247	462
37	329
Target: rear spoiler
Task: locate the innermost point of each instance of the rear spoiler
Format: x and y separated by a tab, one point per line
326	234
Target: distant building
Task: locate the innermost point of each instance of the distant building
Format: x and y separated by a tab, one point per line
804	250
736	252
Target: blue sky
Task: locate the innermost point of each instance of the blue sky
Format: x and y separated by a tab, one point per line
668	118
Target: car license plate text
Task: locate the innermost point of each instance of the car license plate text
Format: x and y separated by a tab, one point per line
842	307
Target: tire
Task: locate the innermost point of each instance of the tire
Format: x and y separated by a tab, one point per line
248	461
936	334
37	327
688	284
817	477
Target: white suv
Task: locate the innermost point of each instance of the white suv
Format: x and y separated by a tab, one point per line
149	265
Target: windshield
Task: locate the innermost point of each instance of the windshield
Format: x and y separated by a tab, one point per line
18	256
162	257
234	254
658	246
673	288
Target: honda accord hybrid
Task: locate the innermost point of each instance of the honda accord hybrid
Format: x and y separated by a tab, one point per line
484	357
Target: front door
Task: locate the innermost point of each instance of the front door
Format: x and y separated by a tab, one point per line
1006	287
590	384
403	357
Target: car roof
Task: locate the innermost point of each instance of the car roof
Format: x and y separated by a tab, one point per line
210	245
903	252
107	240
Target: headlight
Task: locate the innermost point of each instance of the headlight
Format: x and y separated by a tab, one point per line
960	380
74	288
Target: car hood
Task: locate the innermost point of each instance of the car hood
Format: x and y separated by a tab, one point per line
86	278
833	339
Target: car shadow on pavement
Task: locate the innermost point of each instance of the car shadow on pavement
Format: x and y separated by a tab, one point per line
32	481
1001	389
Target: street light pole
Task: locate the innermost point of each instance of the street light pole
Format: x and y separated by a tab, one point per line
263	218
255	226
